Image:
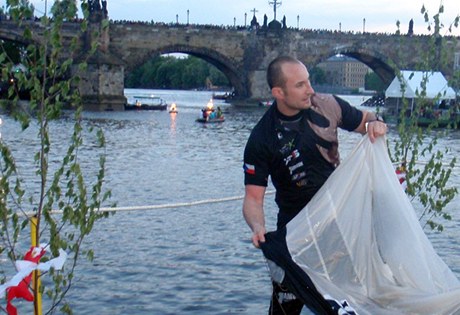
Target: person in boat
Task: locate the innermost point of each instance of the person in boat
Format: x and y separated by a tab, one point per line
213	115
208	110
219	112
204	113
295	144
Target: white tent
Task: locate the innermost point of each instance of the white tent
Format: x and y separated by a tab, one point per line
436	85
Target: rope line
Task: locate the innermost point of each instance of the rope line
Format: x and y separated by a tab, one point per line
184	204
163	206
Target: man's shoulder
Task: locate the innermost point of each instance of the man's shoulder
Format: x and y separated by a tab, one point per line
323	96
326	104
332	106
326	100
267	121
264	128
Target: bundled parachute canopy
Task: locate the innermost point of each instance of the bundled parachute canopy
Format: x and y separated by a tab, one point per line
359	242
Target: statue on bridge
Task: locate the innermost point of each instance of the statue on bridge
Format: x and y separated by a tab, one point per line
97	12
94	6
411	28
254	24
274	25
105	12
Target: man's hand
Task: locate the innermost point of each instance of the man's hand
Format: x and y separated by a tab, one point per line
376	129
258	236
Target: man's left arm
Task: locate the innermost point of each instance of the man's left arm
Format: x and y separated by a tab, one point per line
373	125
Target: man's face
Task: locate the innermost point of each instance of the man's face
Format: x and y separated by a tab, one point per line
297	90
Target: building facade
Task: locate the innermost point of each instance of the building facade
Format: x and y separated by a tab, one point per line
345	72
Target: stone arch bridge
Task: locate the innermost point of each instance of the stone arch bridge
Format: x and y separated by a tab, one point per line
241	54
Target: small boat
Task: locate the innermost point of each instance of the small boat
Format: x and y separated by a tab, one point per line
210	120
441	122
146	102
173	109
265	103
210	115
223	96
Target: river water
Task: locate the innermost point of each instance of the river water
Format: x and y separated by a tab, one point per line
195	259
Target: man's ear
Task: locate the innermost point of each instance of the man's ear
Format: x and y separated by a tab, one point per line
277	92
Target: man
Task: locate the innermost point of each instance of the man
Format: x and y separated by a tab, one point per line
295	143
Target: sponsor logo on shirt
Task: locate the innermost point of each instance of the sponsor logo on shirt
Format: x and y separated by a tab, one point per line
294	167
298	176
294	154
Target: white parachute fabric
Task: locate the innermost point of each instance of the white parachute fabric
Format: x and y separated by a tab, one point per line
360	240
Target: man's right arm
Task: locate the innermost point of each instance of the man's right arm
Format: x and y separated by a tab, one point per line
253	212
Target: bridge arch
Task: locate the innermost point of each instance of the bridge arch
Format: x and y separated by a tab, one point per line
221	62
378	62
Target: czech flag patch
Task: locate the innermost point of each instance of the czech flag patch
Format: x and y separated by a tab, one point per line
249	169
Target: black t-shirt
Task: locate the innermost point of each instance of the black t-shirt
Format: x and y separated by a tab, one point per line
287	150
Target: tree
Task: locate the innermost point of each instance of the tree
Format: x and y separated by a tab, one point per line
318	76
373	82
167	72
428	183
61	182
198	71
217	77
147	73
13	51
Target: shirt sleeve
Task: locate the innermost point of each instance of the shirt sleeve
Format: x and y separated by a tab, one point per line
351	116
256	161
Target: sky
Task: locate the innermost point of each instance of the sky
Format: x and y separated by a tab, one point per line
346	15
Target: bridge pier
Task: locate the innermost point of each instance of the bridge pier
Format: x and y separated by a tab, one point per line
101	85
258	87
